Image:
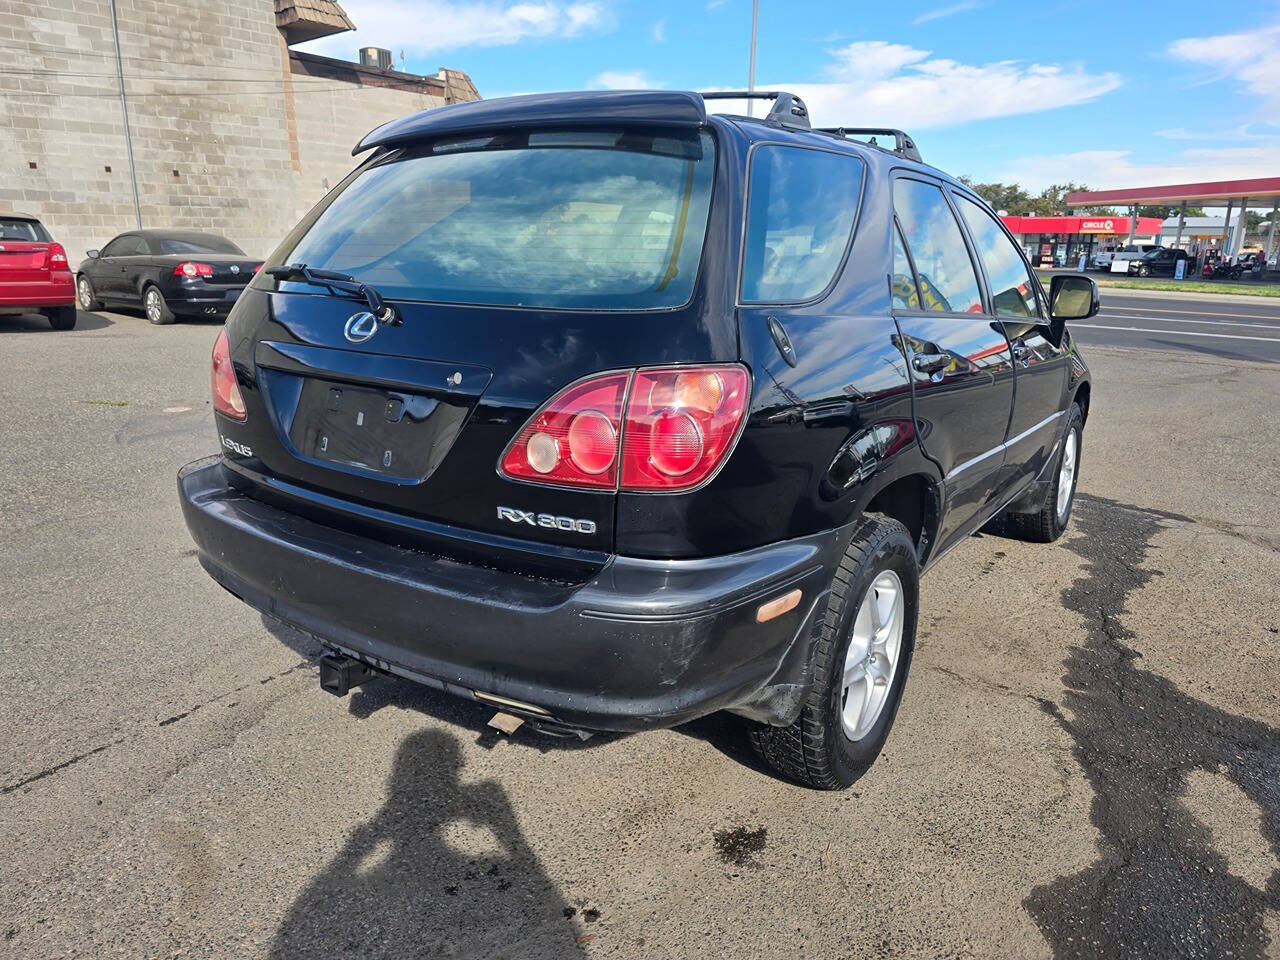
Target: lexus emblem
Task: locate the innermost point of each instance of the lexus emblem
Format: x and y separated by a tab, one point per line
360	327
235	268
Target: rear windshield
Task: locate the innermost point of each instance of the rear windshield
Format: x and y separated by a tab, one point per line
198	245
603	220
11	228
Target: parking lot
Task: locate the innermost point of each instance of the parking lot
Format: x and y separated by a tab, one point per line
1086	763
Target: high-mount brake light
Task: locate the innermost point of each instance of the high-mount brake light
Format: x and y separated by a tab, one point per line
58	257
191	269
677	429
227	399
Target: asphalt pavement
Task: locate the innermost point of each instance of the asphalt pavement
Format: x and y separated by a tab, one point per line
1086	762
1240	328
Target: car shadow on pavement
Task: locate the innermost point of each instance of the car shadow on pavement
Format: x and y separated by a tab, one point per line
441	869
1160	887
37	323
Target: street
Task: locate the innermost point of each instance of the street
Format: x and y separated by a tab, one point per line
1246	328
1086	762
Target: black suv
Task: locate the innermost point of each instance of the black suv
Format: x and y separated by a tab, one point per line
1161	262
610	413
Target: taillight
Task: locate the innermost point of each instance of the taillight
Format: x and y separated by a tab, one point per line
573	440
190	269
257	267
58	257
227	399
679	426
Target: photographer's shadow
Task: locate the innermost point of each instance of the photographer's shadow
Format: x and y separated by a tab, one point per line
441	869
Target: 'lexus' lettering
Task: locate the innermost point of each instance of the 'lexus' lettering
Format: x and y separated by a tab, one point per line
547	521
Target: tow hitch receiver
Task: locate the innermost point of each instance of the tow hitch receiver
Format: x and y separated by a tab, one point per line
338	674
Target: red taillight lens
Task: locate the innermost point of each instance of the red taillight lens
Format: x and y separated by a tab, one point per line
679	427
58	257
227	399
190	269
257	267
573	440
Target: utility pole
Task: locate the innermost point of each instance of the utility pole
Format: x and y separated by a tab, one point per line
124	110
751	68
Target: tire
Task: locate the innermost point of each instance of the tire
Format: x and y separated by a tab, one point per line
1049	523
815	750
1144	271
61	318
154	306
85	294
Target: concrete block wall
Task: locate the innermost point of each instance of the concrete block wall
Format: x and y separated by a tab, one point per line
208	110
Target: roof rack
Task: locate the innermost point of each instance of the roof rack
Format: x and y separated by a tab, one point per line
903	144
788	110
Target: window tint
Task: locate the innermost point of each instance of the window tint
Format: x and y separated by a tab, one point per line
588	219
947	279
198	245
801	205
905	296
1012	289
118	247
29	231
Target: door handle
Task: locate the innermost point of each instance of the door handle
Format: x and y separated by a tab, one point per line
930	362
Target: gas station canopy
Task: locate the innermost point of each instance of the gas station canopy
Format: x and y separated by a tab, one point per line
1259	191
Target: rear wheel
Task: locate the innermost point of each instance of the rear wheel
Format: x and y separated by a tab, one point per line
157	310
861	658
1144	271
85	294
1050	521
61	318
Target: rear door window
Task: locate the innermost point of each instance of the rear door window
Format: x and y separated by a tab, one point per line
801	205
948	282
905	295
593	219
1012	286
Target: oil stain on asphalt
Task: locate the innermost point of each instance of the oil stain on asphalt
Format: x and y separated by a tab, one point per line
740	845
1159	888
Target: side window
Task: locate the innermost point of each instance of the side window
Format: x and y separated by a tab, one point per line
905	295
800	211
947	278
1012	287
116	248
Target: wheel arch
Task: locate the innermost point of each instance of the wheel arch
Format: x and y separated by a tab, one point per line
915	501
1082	397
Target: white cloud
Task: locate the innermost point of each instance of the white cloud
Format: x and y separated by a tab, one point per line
1232	134
1116	169
1252	58
430	26
937	14
873	83
715	4
660	31
623	80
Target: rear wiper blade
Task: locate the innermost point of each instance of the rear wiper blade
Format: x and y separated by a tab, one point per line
340	284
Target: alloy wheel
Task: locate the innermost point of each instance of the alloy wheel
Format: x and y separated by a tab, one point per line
153	305
1066	475
85	292
871	661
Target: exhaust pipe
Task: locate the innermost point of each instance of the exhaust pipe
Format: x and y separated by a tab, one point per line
338	674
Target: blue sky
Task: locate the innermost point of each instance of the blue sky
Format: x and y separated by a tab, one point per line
1130	94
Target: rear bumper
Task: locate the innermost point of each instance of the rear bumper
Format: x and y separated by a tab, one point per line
199	299
644	643
60	292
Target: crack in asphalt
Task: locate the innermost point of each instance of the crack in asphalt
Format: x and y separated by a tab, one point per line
1159	888
168	721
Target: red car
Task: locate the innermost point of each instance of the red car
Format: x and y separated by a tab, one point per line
34	274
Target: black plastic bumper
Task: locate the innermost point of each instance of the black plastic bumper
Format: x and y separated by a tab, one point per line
645	643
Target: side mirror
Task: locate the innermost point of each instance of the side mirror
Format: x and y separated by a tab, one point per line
1071	297
91	254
